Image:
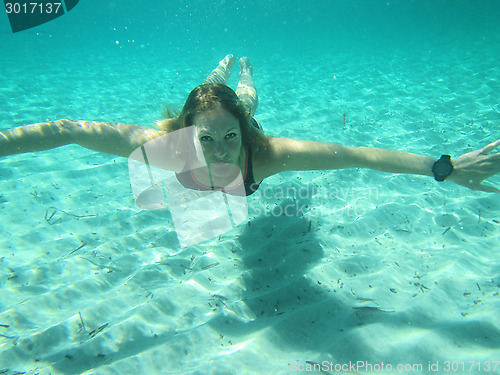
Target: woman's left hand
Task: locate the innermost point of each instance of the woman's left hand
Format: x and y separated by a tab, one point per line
472	168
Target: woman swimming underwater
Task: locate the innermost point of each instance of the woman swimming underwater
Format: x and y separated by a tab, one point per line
226	134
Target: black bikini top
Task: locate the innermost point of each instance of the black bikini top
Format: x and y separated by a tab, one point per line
187	179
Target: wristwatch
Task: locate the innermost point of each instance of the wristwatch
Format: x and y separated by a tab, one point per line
442	168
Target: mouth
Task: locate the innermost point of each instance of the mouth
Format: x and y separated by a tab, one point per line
221	161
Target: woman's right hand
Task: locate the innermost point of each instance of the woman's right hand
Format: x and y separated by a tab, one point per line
471	169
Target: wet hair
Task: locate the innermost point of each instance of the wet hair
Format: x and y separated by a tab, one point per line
210	96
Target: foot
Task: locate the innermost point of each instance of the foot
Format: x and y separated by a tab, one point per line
246	66
227	63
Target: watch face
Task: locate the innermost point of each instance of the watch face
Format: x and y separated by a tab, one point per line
443	168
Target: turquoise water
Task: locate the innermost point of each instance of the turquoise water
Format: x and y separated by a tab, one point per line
373	267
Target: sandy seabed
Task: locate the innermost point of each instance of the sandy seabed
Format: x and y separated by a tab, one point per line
331	268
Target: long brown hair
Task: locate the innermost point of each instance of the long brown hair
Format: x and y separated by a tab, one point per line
208	96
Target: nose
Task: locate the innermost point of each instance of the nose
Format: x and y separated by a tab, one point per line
220	150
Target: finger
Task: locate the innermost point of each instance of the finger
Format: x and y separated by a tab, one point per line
490	167
494	157
488	189
490	147
477	186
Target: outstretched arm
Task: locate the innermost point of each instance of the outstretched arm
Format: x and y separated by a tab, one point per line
289	154
111	138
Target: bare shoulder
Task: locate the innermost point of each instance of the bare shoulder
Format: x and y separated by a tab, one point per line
287	154
265	159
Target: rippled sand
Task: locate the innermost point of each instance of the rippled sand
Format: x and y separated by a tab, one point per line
334	266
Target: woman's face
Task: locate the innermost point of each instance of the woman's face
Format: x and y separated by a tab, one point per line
220	136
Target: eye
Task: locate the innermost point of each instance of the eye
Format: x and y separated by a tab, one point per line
231	135
206	138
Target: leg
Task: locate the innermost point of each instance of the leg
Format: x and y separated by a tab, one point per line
246	90
223	71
